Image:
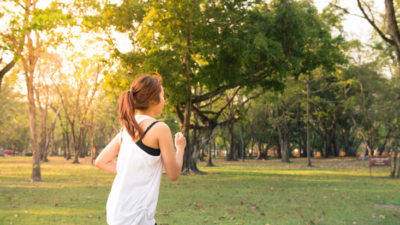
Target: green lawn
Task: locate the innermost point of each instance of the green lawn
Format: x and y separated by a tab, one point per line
335	191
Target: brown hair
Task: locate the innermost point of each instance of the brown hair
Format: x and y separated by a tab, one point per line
143	90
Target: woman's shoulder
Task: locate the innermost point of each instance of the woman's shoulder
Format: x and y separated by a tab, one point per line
161	126
160	129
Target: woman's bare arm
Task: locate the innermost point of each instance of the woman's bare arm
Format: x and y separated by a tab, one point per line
172	161
105	160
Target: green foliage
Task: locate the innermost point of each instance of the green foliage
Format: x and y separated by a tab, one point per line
228	42
14	117
45	21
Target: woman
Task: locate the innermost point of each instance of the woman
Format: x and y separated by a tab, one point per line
144	146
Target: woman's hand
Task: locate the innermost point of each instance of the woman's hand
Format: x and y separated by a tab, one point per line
180	141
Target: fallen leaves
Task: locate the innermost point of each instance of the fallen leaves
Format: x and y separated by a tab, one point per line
197	206
377	216
311	222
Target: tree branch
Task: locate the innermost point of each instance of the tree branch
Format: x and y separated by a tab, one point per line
374	25
3	72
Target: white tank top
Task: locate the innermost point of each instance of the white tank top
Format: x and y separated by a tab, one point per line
134	193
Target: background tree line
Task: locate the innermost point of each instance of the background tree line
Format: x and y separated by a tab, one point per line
247	77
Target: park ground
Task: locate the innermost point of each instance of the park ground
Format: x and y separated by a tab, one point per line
334	191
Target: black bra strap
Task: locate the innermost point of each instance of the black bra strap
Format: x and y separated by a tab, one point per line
148	128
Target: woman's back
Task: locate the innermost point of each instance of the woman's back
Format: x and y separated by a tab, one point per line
134	194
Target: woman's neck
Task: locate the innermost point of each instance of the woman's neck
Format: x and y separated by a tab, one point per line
144	113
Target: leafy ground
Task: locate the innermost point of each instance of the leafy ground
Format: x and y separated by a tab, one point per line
335	191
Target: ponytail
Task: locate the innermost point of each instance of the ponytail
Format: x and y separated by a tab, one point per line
143	91
127	114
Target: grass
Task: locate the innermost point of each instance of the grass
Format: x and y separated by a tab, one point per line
335	191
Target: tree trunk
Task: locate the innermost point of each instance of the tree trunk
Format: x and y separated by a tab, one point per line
286	148
393	30
64	145
366	150
394	164
14	148
281	145
398	170
326	146
43	130
241	140
345	140
313	145
189	164
68	143
52	143
301	154
308	127
209	162
91	131
194	145
230	155
214	150
36	171
332	139
76	155
260	154
84	150
286	134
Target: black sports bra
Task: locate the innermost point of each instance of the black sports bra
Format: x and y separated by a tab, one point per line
147	149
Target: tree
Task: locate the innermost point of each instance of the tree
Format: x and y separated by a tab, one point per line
390	28
24	37
261	124
85	82
47	66
102	117
219	46
287	115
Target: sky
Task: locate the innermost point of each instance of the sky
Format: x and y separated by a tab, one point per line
355	27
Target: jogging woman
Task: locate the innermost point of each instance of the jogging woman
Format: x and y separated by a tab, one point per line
144	147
